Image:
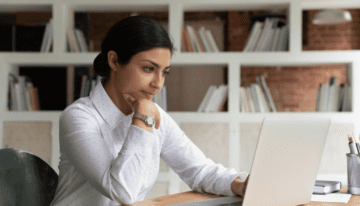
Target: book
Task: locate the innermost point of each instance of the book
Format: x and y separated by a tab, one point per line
34	98
205	43
220	102
255	95
333	94
284	38
187	41
212	40
210	103
80	38
183	43
269	35
198	40
326	186
256	29
324	93
267	93
195	45
20	94
275	39
317	108
265	31
70	34
50	37
242	100
45	37
206	99
249	101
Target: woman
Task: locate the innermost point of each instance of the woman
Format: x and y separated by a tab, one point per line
110	158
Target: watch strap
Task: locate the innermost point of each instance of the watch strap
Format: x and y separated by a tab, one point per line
143	118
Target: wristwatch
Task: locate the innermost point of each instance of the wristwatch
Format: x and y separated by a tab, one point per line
149	120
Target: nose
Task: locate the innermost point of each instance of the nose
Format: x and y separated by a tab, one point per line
157	81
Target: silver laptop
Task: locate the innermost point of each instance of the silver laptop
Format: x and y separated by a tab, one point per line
285	164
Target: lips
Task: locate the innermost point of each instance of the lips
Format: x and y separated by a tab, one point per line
149	94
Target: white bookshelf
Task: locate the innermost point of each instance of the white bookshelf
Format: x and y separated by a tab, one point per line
63	11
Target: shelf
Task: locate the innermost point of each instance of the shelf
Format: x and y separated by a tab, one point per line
192	59
25	5
31	116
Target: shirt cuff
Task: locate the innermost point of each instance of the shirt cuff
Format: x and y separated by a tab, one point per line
228	182
140	141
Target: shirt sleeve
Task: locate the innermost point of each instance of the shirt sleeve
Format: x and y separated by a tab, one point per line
190	163
120	178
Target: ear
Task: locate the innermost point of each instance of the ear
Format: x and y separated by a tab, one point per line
113	60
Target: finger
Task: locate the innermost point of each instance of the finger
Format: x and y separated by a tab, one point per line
157	125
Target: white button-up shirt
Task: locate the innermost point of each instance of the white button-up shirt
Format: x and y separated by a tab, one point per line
105	160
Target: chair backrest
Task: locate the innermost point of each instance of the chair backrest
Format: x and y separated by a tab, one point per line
25	179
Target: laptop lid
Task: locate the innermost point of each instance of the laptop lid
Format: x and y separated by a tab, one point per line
286	161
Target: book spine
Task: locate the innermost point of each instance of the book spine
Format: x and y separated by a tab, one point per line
50	36
45	37
211	100
203	39
27	97
223	98
206	98
187	40
212	40
195	48
22	95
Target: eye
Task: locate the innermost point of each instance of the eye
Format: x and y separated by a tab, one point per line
149	69
166	72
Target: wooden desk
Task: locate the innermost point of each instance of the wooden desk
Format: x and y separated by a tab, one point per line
192	196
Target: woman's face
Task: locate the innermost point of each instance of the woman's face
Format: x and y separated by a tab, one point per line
144	75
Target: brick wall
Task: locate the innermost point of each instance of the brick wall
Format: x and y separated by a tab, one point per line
295	88
331	37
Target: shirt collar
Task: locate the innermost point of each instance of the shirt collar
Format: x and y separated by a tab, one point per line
106	107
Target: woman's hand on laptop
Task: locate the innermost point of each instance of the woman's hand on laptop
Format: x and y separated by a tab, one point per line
238	186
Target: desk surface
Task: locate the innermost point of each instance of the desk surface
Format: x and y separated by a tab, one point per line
192	196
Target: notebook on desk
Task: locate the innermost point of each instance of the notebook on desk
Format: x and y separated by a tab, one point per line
285	164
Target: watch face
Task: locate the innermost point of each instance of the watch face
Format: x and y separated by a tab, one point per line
150	120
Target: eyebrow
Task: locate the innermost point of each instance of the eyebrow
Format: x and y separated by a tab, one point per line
156	65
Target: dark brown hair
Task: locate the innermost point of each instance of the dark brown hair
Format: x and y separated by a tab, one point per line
129	37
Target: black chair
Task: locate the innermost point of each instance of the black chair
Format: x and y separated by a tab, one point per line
25	179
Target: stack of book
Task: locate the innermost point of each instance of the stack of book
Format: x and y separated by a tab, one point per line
267	36
214	99
47	37
76	40
22	95
333	97
256	97
161	99
198	40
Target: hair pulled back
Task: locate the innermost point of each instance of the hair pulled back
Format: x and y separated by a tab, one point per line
129	37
